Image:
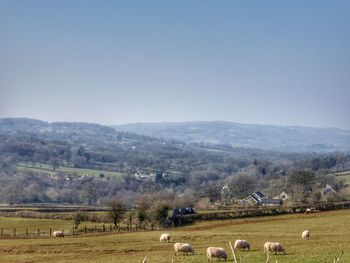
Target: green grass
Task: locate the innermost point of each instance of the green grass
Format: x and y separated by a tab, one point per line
343	176
330	233
44	225
78	171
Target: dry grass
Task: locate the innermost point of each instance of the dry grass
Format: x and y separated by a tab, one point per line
330	233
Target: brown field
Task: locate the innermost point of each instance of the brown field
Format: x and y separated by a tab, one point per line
330	233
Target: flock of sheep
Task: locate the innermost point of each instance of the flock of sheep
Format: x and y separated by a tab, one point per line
217	252
220	253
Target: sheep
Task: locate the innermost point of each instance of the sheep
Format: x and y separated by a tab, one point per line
273	247
58	234
164	237
241	244
183	247
305	234
218	252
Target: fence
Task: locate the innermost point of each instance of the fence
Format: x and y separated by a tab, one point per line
47	232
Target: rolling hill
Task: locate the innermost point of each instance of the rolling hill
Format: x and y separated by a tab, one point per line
265	137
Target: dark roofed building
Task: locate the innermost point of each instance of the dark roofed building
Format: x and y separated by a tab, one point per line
258	198
253	199
328	189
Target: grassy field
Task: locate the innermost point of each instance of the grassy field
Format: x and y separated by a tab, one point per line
330	233
344	176
70	170
32	225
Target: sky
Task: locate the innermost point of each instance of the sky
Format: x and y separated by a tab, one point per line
112	62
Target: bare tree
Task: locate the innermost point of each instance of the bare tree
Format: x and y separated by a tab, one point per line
78	217
241	184
116	211
301	183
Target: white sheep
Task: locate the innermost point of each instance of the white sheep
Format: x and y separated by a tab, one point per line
305	234
217	252
241	244
183	247
273	247
58	234
164	237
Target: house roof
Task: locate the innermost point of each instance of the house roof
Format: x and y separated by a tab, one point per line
328	189
249	197
257	196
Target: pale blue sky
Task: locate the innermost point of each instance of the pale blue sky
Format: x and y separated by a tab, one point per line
110	62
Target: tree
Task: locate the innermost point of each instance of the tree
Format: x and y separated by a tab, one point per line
129	216
78	217
141	215
90	193
213	192
55	163
158	213
301	183
116	211
12	193
226	194
241	185
143	203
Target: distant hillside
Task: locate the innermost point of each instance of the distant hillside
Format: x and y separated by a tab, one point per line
68	131
265	137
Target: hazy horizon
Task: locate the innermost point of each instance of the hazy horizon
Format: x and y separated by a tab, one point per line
179	122
270	63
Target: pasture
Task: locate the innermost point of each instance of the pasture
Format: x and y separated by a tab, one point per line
44	168
345	176
330	233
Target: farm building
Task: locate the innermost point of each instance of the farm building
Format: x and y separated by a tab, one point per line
258	198
252	199
328	189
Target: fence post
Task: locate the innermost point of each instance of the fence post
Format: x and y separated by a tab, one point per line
14	232
104	228
85	230
73	230
38	231
50	231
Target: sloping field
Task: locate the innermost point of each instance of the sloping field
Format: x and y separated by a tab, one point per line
330	233
343	176
44	168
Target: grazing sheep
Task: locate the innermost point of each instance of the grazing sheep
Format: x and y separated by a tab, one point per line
218	252
273	247
164	237
183	247
241	244
58	234
305	234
